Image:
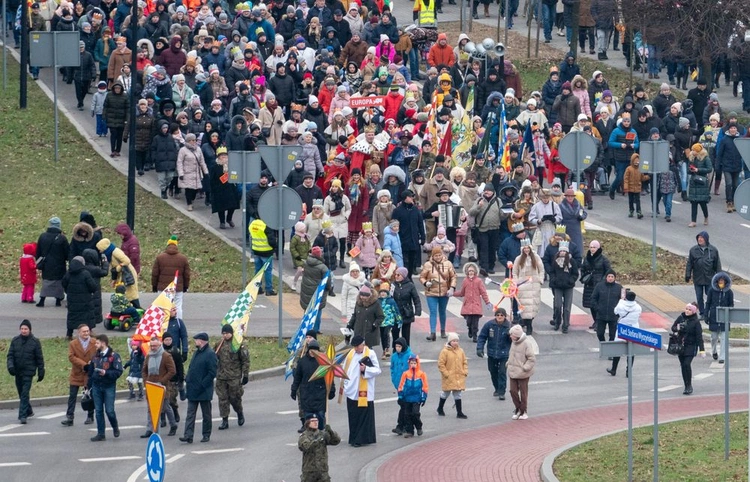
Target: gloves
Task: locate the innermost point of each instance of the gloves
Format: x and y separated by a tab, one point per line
92	113
421	404
294	395
489	306
480	353
182	178
687	279
450	292
40	375
279	123
245	379
549	217
12	371
184	357
428	284
509	265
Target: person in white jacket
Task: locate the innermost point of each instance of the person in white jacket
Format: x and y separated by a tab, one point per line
352	282
630	313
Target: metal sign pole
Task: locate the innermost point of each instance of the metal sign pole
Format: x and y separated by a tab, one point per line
461	15
244	222
578	161
507	21
280	247
630	412
656	415
724	348
54	88
654	187
5	45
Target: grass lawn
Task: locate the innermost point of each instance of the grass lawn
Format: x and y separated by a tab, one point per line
264	353
734	332
690	450
35	188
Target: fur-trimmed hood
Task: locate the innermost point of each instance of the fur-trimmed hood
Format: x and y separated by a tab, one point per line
394	171
83	232
579	78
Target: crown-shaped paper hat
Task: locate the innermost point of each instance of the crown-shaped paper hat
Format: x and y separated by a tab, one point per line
327	224
367	226
564	246
560	229
517	228
318	202
221	150
525	242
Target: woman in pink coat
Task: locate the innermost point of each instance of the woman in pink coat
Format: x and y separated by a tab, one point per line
581	90
475	297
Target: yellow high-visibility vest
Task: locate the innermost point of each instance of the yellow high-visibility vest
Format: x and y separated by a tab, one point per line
427	14
258	235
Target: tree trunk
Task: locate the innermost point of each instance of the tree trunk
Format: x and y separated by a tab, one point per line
575	28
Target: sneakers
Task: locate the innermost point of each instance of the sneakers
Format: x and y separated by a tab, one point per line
640	215
691	225
515	416
523	417
98	438
630	214
716	356
668	219
419	432
68	422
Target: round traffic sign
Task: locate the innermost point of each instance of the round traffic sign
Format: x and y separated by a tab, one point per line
155	458
577	150
742	199
280	215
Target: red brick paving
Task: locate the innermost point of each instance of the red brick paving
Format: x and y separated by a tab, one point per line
514	451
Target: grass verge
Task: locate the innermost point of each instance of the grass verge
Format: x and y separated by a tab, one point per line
739	332
36	188
688	450
264	353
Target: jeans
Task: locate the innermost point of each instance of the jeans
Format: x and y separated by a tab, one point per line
414	63
653	59
667	202
104	401
115	138
602	40
268	275
437	305
72	397
548	14
192	410
562	304
23	386
512	9
165	179
101	125
700	291
497	369
731	181
620	167
683	175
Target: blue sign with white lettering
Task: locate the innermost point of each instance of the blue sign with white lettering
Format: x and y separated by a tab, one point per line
155	463
639	336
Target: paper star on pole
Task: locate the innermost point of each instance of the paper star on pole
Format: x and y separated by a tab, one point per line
330	365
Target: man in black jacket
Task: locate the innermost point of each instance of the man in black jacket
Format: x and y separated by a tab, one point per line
411	231
607	293
312	393
25	360
199	383
83	74
283	87
702	264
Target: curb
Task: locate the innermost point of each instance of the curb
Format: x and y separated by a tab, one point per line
123	394
547	473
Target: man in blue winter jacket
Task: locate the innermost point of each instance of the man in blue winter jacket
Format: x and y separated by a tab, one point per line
496	334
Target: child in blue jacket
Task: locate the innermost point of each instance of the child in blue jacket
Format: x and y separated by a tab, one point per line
412	391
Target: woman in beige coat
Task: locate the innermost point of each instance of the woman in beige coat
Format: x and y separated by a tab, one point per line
439	280
521	361
528	267
454	368
190	169
119	263
271	119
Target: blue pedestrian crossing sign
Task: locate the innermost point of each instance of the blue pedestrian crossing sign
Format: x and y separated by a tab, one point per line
639	336
155	458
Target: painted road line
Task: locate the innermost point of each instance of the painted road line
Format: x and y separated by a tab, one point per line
619	399
52	415
291	445
126	427
668	388
218	419
9	427
703	376
743	224
544	382
287	412
176	457
596	227
549	299
14	464
111	459
594	349
134	476
217	451
26	434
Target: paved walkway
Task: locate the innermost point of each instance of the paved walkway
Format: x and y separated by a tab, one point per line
494	453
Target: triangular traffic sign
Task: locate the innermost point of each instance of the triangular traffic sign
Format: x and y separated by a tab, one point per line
155	397
743	146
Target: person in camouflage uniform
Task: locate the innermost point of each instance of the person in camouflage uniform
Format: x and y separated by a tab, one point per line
231	375
176	382
313	444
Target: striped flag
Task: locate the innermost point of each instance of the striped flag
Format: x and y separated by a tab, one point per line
527	146
239	314
308	320
156	318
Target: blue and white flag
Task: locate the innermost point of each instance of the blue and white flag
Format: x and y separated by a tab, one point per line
308	320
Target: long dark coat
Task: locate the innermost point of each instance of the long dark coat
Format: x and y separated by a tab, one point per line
54	246
199	381
597	265
312	393
79	288
97	270
224	195
366	320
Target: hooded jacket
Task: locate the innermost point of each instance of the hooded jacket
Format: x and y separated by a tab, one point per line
718	297
454	368
79	288
315	271
366	319
130	245
98	270
116	107
84	237
521	359
400	361
173	58
605	298
703	262
235	138
629	313
407	299
164	149
413	387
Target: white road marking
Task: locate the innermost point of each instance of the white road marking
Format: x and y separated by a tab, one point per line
393	399
111	459
743	224
544	382
9	427
617	399
217	451
126	427
668	388
291	445
176	457
548	299
218	419
27	434
287	412
703	376
594	349
14	464
596	227
134	476
52	415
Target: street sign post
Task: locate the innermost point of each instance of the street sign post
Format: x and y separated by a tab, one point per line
636	341
155	458
654	159
282	209
54	49
244	167
740	316
742	199
743	146
577	151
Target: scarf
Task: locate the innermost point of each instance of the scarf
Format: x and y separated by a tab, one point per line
354	192
362	391
108	251
338	201
84	343
154	361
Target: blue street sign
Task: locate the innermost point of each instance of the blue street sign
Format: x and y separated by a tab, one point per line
639	336
155	463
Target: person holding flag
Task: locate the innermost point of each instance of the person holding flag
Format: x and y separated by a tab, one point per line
312	393
232	374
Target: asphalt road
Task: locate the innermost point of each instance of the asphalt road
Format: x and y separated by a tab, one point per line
569	376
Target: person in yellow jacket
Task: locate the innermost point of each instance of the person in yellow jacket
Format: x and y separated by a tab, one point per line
264	242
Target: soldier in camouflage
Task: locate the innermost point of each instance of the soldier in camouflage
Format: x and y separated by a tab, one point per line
231	376
313	444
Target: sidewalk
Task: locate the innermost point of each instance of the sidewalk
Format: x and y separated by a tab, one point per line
525	444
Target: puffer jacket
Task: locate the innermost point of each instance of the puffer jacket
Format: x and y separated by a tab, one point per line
315	271
521	359
116	107
442	276
118	262
703	262
728	156
235	139
369	248
529	293
350	291
25	356
164	267
619	137
597	266
191	168
605	298
173	58
497	337
130	245
454	368
366	320
144	130
414	386
164	150
474	294
699	189
300	249
400	361
84	237
310	157
79	288
718	297
407	299
633	179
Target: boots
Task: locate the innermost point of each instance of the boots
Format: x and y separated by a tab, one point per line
441	405
684	83
302	428
331	293
41	302
240	418
89	419
176	413
224	423
730	209
68	422
732	206
486	11
431	336
459	412
442	334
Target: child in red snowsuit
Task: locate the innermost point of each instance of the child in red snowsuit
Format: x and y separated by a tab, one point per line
27	270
